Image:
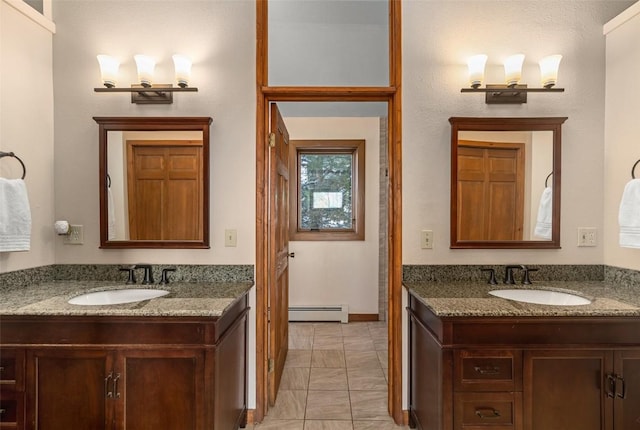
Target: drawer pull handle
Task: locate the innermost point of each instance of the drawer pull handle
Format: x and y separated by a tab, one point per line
488	413
108	393
2	411
116	394
611	379
623	393
1	368
487	370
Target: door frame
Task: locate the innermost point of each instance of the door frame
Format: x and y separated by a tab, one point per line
393	96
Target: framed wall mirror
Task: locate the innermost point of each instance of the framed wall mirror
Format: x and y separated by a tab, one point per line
154	182
505	182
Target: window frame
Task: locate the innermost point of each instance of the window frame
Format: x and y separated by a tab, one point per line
355	147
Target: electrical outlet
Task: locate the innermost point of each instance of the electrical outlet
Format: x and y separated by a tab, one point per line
587	236
75	236
426	239
231	238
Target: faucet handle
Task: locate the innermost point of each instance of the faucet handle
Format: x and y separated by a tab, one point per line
508	274
148	273
165	275
132	274
492	276
525	279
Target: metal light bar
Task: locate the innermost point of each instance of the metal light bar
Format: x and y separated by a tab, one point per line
155	94
503	94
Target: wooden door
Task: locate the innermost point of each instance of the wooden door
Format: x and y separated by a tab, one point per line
490	191
278	300
161	390
566	390
627	400
164	180
69	389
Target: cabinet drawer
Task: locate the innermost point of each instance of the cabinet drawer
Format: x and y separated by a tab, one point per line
7	367
8	411
488	370
495	411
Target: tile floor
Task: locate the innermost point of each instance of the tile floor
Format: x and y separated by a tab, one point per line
335	378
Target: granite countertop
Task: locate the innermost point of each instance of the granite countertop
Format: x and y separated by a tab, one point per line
191	299
461	299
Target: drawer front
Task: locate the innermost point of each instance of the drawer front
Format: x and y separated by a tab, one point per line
7	367
487	411
8	411
488	370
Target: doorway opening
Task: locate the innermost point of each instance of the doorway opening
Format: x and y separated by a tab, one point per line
266	263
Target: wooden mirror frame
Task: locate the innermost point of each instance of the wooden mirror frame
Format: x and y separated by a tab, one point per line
507	124
107	124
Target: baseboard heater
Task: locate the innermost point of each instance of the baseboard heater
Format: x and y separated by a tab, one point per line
319	313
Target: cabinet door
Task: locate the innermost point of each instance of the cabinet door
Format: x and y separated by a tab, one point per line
566	390
627	399
67	389
160	390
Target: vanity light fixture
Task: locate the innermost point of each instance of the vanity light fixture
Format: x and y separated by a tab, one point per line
146	92
512	92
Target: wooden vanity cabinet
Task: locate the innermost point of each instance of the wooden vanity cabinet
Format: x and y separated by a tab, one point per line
115	389
509	373
132	373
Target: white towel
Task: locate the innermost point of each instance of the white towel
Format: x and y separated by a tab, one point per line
629	215
15	216
545	215
111	216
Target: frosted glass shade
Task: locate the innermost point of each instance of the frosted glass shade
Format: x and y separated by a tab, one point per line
108	69
549	70
183	70
513	69
145	65
476	69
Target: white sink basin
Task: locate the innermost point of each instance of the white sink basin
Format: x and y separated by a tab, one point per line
116	297
542	297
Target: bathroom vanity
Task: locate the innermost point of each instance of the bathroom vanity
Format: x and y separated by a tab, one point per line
175	362
481	362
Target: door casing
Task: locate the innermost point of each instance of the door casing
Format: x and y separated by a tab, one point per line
393	96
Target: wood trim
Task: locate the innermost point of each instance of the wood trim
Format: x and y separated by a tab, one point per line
395	212
262	229
393	96
251	416
363	317
353	147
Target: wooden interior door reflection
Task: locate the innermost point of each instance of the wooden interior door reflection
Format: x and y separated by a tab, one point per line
490	191
164	180
278	301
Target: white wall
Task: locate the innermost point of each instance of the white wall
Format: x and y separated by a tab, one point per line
622	129
26	123
332	272
438	37
219	37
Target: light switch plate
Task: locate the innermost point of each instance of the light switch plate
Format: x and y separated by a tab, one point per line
587	236
230	238
426	239
75	236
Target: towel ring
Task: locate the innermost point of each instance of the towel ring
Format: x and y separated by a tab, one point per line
24	169
633	170
547	180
